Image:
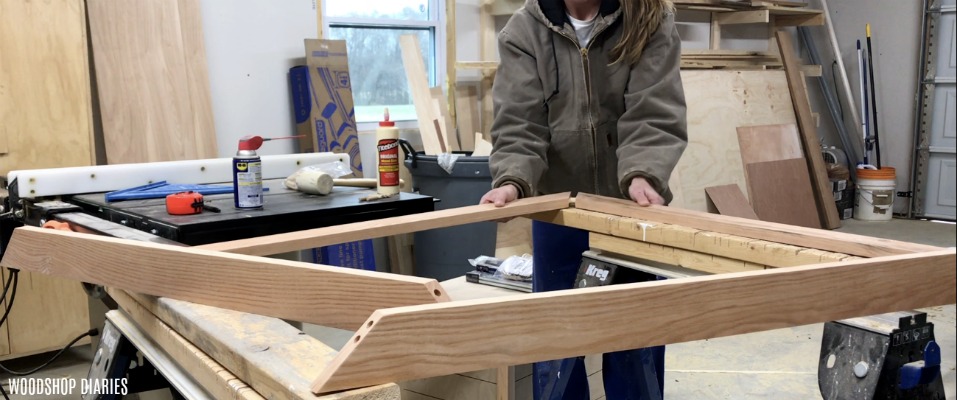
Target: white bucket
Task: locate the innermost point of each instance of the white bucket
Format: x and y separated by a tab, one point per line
876	191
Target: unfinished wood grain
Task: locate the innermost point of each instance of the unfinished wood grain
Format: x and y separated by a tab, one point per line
742	17
395	344
483	148
703	241
271	356
769	143
41	299
669	255
445	118
152	80
857	245
45	103
729	200
219	382
513	238
285	242
466	115
325	295
415	72
781	192
809	138
718	102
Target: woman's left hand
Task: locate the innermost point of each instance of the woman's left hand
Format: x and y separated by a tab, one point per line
642	193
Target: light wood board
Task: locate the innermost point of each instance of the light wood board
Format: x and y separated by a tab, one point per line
513	238
274	358
219	382
395	344
795	235
445	118
41	299
415	72
781	192
466	115
325	295
45	104
719	101
701	241
281	243
729	200
821	185
152	80
669	255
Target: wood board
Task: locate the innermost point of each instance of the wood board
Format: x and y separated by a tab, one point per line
856	245
445	119
729	200
683	258
466	115
277	360
769	143
41	299
152	80
325	295
719	101
395	345
421	98
781	192
45	103
827	210
281	243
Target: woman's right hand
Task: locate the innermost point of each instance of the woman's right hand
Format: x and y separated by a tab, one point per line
500	196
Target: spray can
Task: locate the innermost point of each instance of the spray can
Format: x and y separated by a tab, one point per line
247	175
387	156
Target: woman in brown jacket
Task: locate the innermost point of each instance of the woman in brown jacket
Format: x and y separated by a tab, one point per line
587	98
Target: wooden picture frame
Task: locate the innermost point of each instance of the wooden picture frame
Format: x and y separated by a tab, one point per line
764	276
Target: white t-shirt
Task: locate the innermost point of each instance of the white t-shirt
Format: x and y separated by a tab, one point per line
582	29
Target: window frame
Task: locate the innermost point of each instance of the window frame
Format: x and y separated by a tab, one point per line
436	23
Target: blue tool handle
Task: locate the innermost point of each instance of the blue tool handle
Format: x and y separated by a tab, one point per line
924	371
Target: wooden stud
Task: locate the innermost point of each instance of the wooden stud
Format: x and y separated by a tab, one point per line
320	32
396	345
670	255
325	295
466	104
742	17
419	87
273	357
451	75
812	150
804	237
702	241
285	242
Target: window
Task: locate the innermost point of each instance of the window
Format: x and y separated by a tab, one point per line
371	29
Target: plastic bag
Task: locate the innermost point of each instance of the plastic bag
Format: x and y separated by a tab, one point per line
447	161
516	268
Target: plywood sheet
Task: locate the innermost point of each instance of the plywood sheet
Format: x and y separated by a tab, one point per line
769	143
45	105
718	103
152	80
781	192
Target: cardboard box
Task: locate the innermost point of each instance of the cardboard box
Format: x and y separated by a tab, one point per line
324	88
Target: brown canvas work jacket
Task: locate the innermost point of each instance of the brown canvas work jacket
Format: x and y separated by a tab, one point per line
566	120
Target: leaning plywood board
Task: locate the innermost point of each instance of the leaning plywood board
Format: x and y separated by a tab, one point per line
325	295
45	104
395	344
804	237
769	143
781	192
271	356
827	210
152	80
719	102
275	244
729	200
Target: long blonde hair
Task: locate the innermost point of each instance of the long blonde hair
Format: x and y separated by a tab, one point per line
640	19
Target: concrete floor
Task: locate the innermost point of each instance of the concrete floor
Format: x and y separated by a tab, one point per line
779	364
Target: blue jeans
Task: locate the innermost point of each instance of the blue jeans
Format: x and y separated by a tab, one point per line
628	375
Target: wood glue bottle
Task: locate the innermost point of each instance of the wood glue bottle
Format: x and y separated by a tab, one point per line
387	156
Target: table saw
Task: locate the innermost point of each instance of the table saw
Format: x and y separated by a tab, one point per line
78	196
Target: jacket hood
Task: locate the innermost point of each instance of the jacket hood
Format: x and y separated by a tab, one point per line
552	12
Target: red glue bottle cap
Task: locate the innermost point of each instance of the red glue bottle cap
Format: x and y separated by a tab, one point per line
385	120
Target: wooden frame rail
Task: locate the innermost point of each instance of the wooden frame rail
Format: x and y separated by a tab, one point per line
407	329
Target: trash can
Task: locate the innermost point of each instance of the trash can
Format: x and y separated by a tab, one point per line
444	253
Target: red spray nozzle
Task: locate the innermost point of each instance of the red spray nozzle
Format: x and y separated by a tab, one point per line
252	143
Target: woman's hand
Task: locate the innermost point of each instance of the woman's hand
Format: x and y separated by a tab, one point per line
500	196
642	193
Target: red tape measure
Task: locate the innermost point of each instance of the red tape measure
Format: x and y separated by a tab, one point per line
184	203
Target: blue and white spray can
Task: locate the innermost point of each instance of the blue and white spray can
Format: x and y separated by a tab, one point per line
247	175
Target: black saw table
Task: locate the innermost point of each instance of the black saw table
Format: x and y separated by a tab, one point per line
284	210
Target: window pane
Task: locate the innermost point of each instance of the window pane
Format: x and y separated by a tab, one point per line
414	10
378	75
